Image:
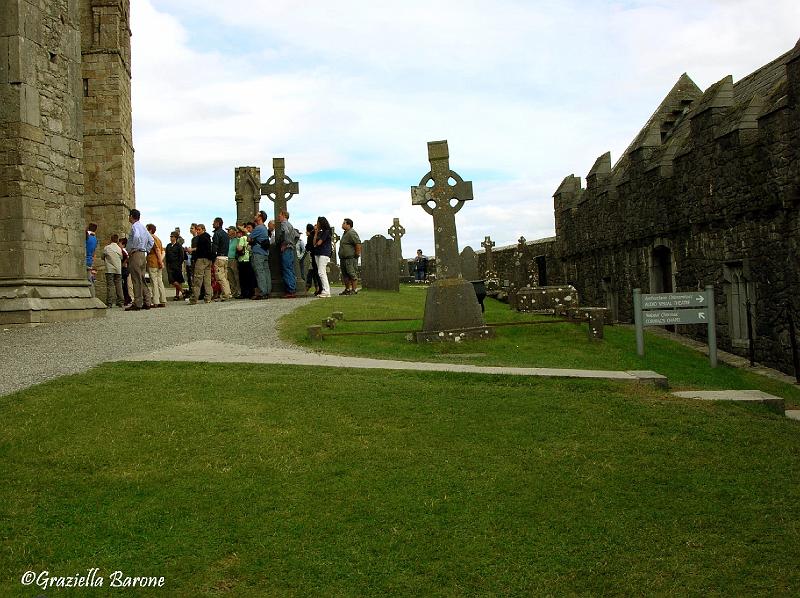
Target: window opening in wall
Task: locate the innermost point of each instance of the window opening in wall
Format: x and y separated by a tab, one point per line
738	291
86	88
661	270
541	269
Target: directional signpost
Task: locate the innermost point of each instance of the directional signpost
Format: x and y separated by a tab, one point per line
667	309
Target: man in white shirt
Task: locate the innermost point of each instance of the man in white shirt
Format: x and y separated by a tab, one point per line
140	242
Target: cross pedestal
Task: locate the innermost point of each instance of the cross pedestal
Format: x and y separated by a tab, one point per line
280	189
452	311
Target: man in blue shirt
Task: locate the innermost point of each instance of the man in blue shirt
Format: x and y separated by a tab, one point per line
259	251
140	242
285	239
91	246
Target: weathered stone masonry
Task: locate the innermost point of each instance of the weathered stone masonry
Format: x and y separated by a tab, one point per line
707	193
42	248
43	212
107	125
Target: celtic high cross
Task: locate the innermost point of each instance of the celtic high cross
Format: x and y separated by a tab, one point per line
487	245
396	232
334	240
279	187
435	193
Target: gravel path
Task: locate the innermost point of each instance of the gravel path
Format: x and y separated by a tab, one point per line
32	355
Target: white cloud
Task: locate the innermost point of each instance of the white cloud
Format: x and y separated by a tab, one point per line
350	92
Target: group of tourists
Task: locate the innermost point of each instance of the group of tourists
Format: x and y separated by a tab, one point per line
230	263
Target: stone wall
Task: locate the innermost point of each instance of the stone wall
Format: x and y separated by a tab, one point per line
107	127
42	245
539	253
706	194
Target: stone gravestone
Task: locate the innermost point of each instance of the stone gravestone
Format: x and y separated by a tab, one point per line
452	311
379	264
334	272
396	232
522	276
280	189
469	264
490	274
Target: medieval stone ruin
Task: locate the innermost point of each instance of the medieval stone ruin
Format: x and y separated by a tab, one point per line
66	153
707	193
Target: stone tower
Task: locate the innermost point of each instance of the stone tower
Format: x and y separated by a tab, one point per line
42	246
107	129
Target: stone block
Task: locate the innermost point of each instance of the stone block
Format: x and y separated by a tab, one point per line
455	336
451	304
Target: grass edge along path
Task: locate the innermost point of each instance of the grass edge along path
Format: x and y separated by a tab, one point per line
402	483
561	345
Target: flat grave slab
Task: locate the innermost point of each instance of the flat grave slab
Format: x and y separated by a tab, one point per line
774	403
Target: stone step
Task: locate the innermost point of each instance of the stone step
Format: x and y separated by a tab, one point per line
774	403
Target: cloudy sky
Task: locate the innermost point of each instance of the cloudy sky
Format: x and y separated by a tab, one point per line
350	92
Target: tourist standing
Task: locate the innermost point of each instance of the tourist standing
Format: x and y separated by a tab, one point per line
175	256
349	252
219	244
233	263
139	245
202	257
322	247
112	256
312	276
247	278
420	267
126	273
259	256
91	247
155	268
285	239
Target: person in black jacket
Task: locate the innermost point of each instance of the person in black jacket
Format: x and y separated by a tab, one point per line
203	258
175	257
219	245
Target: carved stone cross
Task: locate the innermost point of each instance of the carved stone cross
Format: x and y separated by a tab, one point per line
396	232
279	187
435	194
334	240
487	245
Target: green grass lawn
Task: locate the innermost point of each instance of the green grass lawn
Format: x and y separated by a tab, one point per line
552	345
343	482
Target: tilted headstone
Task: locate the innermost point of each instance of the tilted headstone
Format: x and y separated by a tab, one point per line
452	311
378	264
396	232
469	264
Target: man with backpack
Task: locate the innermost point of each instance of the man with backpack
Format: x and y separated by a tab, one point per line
286	239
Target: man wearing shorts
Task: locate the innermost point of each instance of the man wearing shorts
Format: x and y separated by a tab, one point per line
349	252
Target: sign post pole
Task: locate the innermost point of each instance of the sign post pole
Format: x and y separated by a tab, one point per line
712	326
637	318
